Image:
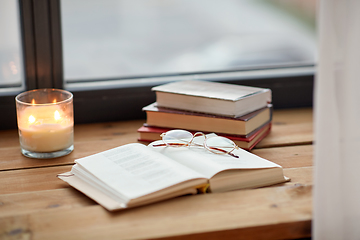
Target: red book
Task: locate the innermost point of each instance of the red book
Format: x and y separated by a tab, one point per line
150	134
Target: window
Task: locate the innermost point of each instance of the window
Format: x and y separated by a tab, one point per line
11	67
110	53
122	39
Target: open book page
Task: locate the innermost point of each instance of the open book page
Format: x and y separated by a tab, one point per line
209	164
134	170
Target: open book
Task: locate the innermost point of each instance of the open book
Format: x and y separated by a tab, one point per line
136	174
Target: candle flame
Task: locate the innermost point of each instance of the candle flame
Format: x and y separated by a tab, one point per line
31	119
33	102
54	101
57	115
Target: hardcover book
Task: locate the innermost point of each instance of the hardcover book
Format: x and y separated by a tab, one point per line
136	174
149	133
172	118
212	97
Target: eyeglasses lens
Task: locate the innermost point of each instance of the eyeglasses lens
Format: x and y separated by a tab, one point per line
177	138
219	145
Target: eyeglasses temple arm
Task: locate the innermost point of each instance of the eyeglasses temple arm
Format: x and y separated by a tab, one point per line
222	150
177	144
159	145
173	144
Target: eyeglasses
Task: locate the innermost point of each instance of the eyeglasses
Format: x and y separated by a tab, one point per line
183	138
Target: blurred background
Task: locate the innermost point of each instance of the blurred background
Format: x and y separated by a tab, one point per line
122	39
11	65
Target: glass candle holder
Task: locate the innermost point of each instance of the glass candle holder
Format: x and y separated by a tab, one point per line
46	123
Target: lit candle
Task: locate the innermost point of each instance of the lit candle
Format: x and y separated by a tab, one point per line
45	126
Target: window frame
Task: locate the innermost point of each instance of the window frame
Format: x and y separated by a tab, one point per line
120	99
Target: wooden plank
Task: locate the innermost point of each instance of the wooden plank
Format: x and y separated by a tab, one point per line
39	179
84	132
34	179
283	122
13	159
93	138
288	157
89	139
289	230
297	134
35	204
9	138
66	198
37	201
293	116
34	201
244	213
290	127
107	131
299	176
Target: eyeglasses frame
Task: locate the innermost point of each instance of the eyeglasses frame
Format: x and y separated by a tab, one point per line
185	144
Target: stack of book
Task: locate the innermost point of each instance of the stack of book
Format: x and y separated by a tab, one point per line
240	113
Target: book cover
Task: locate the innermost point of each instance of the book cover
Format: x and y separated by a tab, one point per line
150	133
212	97
173	118
207	89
